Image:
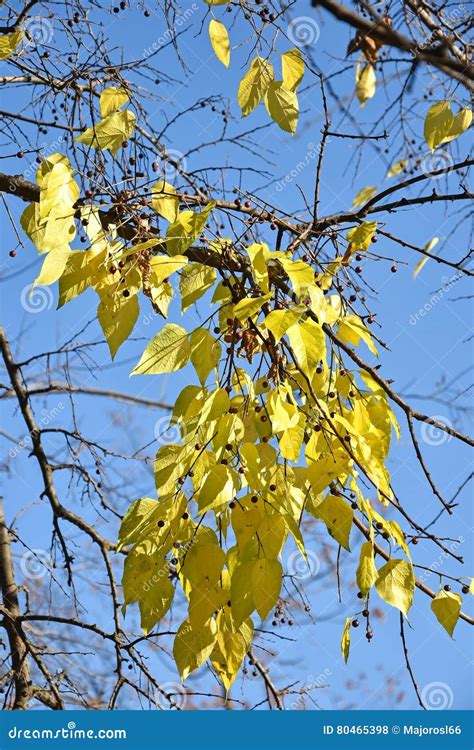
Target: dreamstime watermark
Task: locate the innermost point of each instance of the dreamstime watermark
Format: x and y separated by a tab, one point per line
166	569
170	32
437	696
35	564
302	567
311	154
303	31
440	162
435	298
168	431
170	164
171	695
431	434
36	299
437	38
46	418
67	733
436	565
38	30
311	683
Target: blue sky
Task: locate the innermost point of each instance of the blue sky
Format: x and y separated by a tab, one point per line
424	347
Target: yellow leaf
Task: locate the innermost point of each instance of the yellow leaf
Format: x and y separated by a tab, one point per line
431	244
366	571
352	330
203	562
308	344
397	168
249	306
324	470
162	267
259	254
461	123
217	488
167	352
366	83
246	518
145	579
360	237
337	515
58	188
278	321
230	650
395	584
193	645
447	606
254	84
111	132
271	534
438	123
205	352
292	66
162	296
78	273
195	280
181	234
164	200
203	602
282	106
9	43
117	317
241	594
220	41
300	274
292	439
111	99
265	584
140	518
53	267
346	639
364	195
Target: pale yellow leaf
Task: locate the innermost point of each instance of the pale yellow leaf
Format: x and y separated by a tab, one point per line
366	83
254	85
447	606
220	41
395	584
111	99
167	352
438	123
292	66
282	106
164	200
